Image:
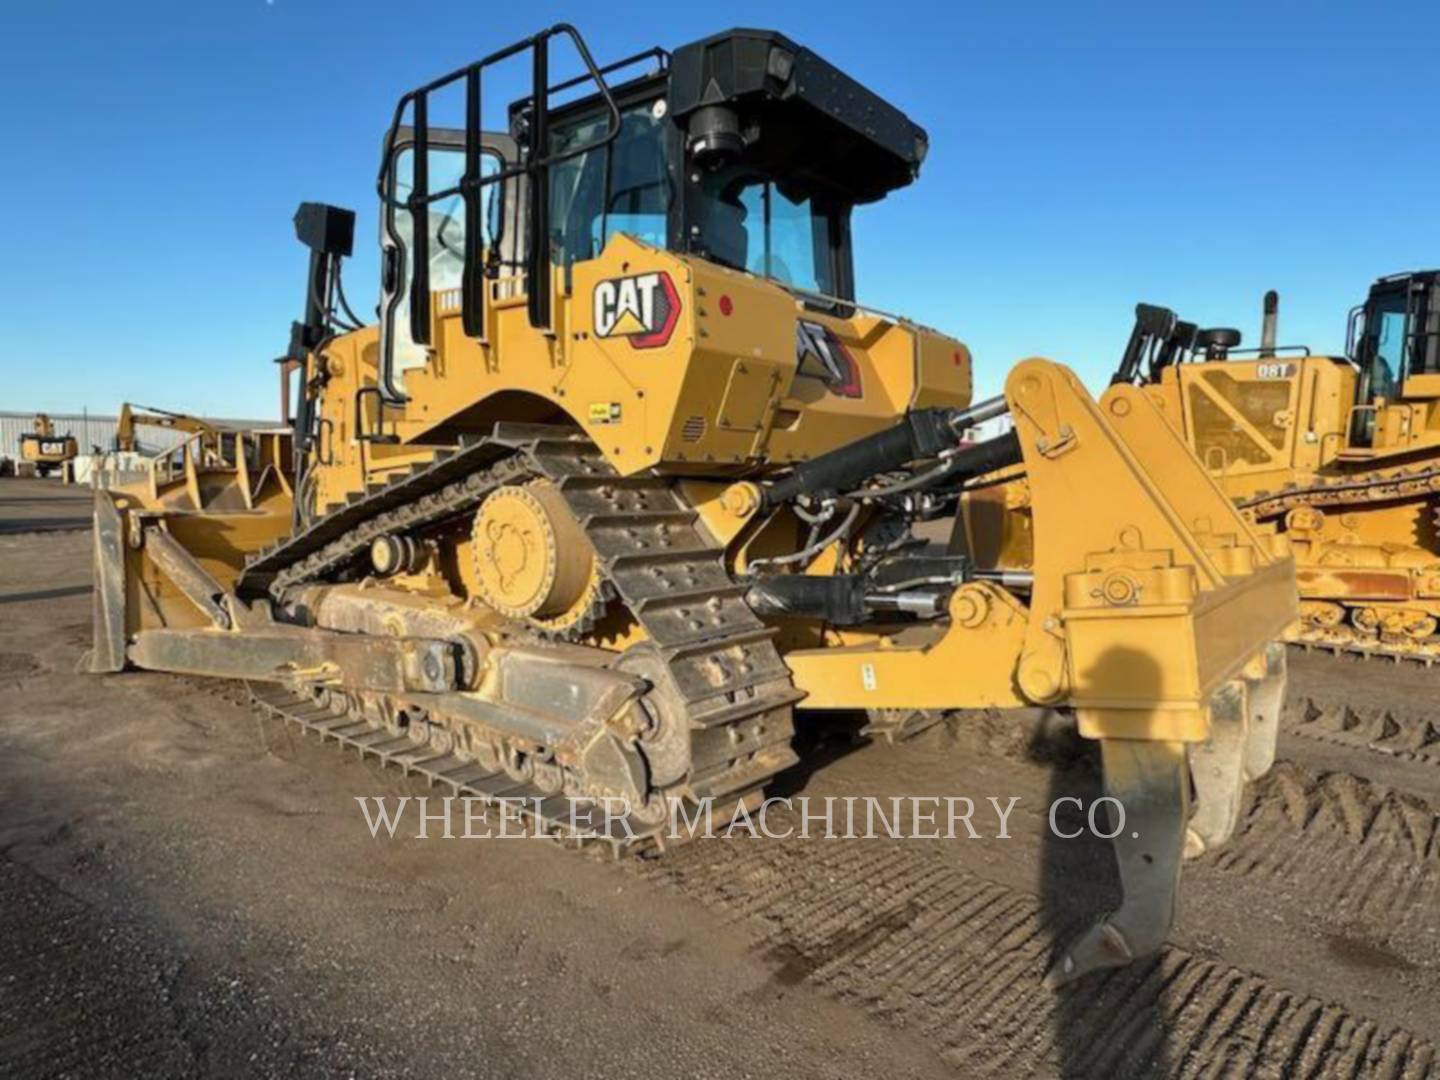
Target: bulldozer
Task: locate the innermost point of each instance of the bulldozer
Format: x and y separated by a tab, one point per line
626	473
44	449
1339	454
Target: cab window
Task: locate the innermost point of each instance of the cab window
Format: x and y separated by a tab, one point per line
446	225
748	222
1385	344
621	187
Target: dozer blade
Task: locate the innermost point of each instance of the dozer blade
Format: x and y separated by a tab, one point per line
1149	778
1217	768
107	654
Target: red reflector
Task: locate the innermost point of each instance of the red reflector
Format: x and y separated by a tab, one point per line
726	307
958	358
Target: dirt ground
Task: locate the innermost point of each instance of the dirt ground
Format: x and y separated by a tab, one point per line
186	890
31	506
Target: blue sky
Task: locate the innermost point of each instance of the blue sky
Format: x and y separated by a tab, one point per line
1084	157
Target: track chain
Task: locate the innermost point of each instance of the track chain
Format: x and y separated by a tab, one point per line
1373	487
720	663
1344	641
1368	487
546	814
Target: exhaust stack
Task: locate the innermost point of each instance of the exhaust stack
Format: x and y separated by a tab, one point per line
1268	323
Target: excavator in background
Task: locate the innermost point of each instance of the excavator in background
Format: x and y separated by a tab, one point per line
1339	454
627	473
210	463
44	449
127	442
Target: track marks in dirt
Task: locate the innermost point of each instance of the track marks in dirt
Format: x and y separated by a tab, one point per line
905	932
1366	858
1364	855
1408	732
18	665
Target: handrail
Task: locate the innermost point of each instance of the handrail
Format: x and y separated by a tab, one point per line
536	167
593	72
209	458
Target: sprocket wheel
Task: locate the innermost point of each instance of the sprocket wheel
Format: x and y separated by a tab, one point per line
533	561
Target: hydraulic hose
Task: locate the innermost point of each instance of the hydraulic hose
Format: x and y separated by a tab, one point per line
923	433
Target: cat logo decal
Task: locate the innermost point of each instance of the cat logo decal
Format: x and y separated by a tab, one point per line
643	308
821	355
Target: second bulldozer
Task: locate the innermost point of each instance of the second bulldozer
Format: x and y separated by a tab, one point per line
1339	454
626	473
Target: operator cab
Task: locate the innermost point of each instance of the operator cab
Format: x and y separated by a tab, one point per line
743	148
1393	339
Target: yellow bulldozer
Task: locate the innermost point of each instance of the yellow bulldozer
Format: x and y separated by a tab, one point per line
46	450
1339	454
626	473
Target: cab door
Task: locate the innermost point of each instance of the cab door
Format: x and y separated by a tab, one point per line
502	220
